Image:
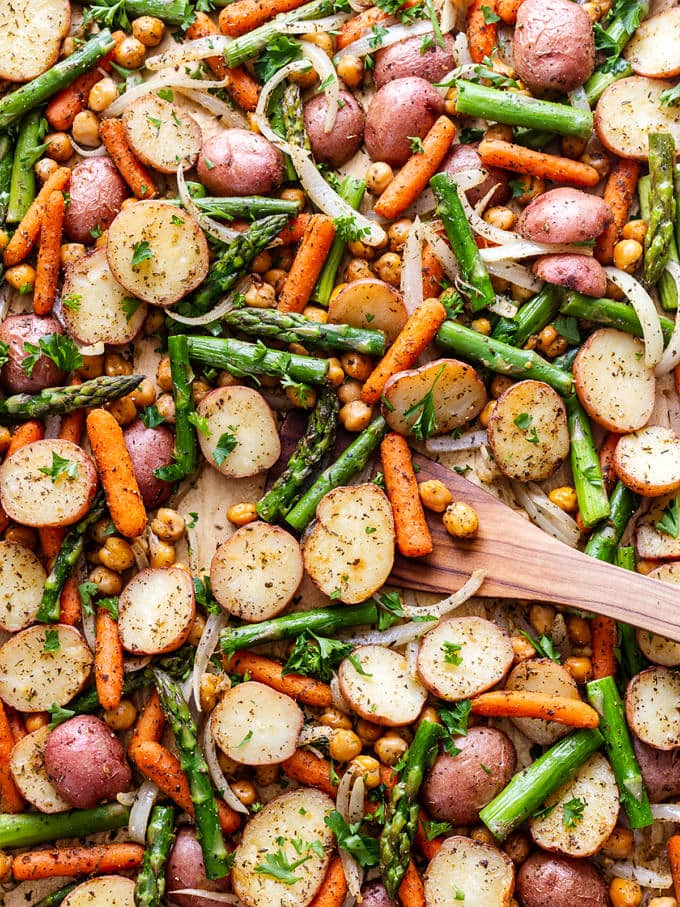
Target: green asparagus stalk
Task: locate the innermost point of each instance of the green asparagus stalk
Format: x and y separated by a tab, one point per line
604	76
585	466
293	117
54	401
351	460
22	175
625	557
614	314
33	93
632	661
248	206
160	835
174	12
605	699
309	453
401	810
208	828
242	358
186	443
668	292
502	358
29	829
603	542
6	167
530	319
473	274
531	138
661	223
54	899
611	36
528	789
275	113
352	191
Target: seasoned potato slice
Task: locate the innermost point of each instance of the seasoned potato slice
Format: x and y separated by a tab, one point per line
584	811
162	135
31	32
255	573
349	550
658	649
27	764
528	431
383	691
542	675
156	611
652	542
648	461
652	710
653	49
467	872
157	252
463	656
629	110
114	891
32	678
292	817
256	725
95	307
612	381
22	578
369	303
243	439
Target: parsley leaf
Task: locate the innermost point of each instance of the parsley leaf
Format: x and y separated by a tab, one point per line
377	34
110	605
426	43
316	656
130	305
524	422
544	646
434	829
347	229
364	848
357	665
226	443
451	650
544	812
572	812
87	591
469	135
568	328
141	252
518	187
71	302
671	96
108	12
670	520
166	94
57	347
194	519
4	353
391	610
416	144
278	867
593	475
61	466
200	423
426	424
455	720
490	17
59	715
151	417
280	51
51	640
628	14
248	737
203	595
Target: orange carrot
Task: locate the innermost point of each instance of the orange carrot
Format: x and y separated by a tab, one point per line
481	34
527	704
607	461
266	670
619	192
150	724
70	605
308	262
117	475
28	432
72	425
604	637
411	892
418	331
416	172
70	101
245	15
294	229
508	9
47	268
136	175
428	848
432	273
413	535
28	231
673	848
108	661
83	859
333	888
309	769
495	153
11	800
355	27
241	85
51	538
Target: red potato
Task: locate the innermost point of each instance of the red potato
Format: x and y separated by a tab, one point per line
401	109
336	147
405	58
648	461
466	157
186	869
156	610
547	879
96	193
239	162
30	37
86	762
374	894
149	449
16	331
652	51
564	216
660	770
631	109
575	272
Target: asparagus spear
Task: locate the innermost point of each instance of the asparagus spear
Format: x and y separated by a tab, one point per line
619	315
585	466
29	829
22	176
160	835
622	505
6	167
58	400
529	788
401	810
530	319
174	12
185	455
208	829
352	191
293	117
668	293
473	273
661	223
310	451
275	113
54	899
604	76
242	358
351	460
249	206
33	93
502	358
632	661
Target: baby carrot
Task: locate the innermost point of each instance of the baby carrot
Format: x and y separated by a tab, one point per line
308	262
70	101
309	769
245	15
70	605
411	891
241	85
432	273
527	704
673	848
80	860
11	800
28	231
495	153
481	29
619	192
28	432
47	268
150	724
136	175
294	229
51	538
604	637
16	724
333	888
508	9
266	670
108	661
355	27
413	534
606	455
428	848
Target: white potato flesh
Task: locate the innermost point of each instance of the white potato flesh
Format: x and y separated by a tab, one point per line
22	578
369	303
648	461
256	572
31	32
612	381
542	675
95	307
57	497
385	693
484	651
292	817
470	873
652	542
652	710
256	725
349	550
161	135
584	811
631	109
168	247
27	764
156	610
240	418
528	431
32	679
104	891
658	649
653	49
458	395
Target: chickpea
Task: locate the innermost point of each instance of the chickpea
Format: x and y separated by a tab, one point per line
85	129
429	714
349	391
336	719
360	249
305	78
598	161
21	277
294	195
355	416
390	748
286	255
261	295
356	365
276	277
451	102
378	176
122	717
129	53
144	394
123	410
627	255
163	374
460	520
68	46
499	285
267	774
482	835
315	314
242	514
645	567
148	30
357	269
4	239
580	668
485	414
351	70
397	233
565	498
245	791
228	765
532	186
635	229
128	203
168	525
5	866
5	436
165	405
499	385
620	844
517	847
301	396
44	168
578	629
102	94
323	40
368	732
551	343
520	294
116	554
210	687
162	555
197	628
70	252
115	364
22	535
388	268
522	648
344	745
624	893
499	132
335	373
501	217
435	495
368	768
482	326
35	721
541	618
572	146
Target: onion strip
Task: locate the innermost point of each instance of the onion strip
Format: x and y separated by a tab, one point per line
451	602
141	810
260	114
216	773
168	79
206	646
218	231
369	43
230	117
441	250
471	440
329	80
222	897
412	268
646	312
99	151
200	49
548	516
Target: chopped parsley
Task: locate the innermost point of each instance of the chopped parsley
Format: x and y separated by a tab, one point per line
364	848
151	417
416	144
426	423
316	656
572	812
225	445
451	652
57	347
61	466
141	252
51	640
544	646
525	423
669	523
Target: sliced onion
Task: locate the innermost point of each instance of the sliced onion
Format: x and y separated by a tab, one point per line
223	897
356	800
218	231
451	602
4	301
666	812
518	275
504	307
141	810
523	248
200	49
314	734
579	99
168	79
132	665
139	554
353	873
369	43
312	26
471	440
216	773
448	17
91	349
441	250
412	268
342	796
220	309
424	204
647	878
266	92
462	49
671	355
646	312
548	516
325	70
230	117
204	650
99	151
395	636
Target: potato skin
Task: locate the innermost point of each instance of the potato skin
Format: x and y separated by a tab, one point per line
405	59
375	894
549	880
150	448
575	272
553	45
660	770
243	164
401	108
86	762
97	191
344	140
186	869
457	787
17	330
465	157
564	216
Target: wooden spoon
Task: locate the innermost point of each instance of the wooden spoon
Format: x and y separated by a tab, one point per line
522	561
